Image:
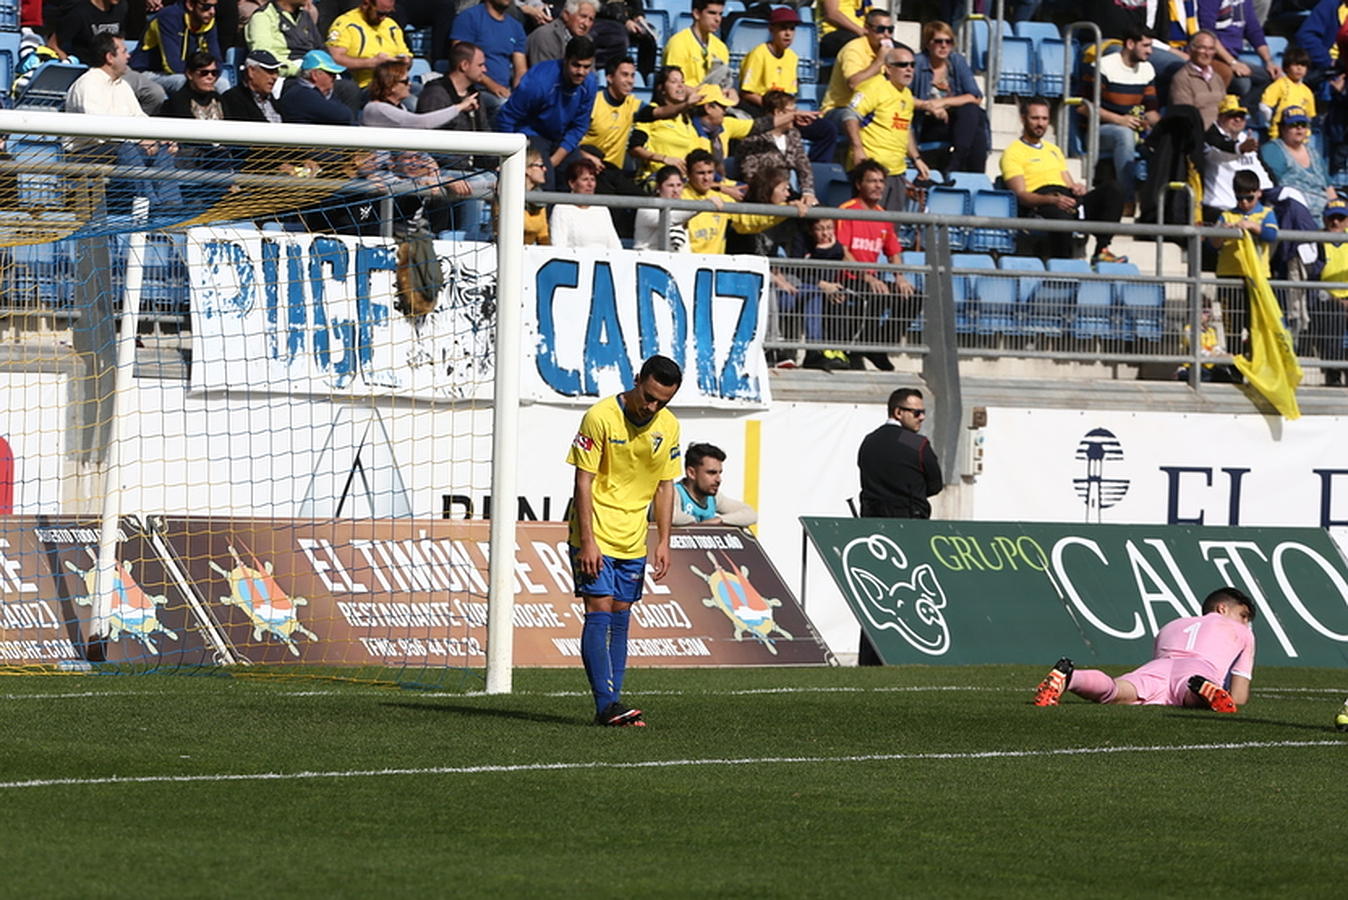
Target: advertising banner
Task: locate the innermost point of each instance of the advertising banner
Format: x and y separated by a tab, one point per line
47	569
1001	592
409	592
293	313
1168	468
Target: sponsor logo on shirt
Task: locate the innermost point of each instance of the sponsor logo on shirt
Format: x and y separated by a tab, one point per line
583	442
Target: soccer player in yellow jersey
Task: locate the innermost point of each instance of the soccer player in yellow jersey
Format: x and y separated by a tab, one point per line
625	454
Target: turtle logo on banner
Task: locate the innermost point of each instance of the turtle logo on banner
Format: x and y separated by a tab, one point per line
891	597
735	596
133	610
1098	449
254	590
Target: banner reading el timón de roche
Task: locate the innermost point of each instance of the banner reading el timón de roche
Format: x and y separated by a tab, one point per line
414	592
1003	592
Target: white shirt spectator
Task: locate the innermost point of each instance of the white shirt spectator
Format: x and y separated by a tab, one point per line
582	226
98	93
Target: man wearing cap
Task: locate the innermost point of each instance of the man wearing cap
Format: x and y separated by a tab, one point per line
366	36
1329	309
285	30
175	33
698	52
886	104
772	65
552	103
1228	147
251	99
309	100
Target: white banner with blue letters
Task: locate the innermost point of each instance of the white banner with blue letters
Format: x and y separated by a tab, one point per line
592	316
317	314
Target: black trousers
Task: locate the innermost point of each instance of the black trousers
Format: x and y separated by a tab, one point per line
1103	204
964	136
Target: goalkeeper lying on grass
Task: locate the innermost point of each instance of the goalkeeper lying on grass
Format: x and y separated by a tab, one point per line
1192	662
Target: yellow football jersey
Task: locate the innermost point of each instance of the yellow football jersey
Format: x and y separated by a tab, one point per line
761	71
611	126
890	110
628	461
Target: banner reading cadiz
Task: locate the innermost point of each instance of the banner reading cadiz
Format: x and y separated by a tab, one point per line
593	316
291	313
1002	592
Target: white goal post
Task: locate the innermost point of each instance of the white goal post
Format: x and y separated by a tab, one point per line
509	149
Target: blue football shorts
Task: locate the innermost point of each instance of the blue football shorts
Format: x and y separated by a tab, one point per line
621	579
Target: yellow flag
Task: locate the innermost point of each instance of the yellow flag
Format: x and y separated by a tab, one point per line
1272	368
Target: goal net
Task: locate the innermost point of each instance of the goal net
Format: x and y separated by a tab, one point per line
239	381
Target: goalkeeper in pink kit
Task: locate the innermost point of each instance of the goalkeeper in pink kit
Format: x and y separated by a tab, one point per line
1200	661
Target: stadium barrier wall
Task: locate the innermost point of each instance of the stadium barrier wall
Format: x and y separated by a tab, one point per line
197	591
1007	592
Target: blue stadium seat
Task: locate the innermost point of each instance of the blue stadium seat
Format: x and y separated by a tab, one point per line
9	19
659	20
745	35
1016	67
919	280
1095	315
48	86
962	289
998	205
35	189
998	298
806	43
9	57
643	94
1142	305
164	288
1027	286
831	184
978	46
1277	46
682	20
418	41
1049	67
1054	300
40	274
973	182
948	201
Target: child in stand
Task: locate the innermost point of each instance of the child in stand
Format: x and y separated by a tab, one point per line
1288	90
1252	216
804	304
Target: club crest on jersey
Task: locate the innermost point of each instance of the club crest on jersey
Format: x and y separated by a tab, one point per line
583	442
656	441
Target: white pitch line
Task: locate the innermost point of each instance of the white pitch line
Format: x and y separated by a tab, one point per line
657	764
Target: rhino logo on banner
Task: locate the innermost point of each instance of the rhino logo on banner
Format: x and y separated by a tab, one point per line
734	595
270	610
133	609
875	568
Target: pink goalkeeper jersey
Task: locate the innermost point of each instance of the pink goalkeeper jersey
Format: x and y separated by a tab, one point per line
1227	646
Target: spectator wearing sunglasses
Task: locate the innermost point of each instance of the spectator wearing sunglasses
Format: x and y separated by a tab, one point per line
859	60
950	115
899	469
1294	163
198	98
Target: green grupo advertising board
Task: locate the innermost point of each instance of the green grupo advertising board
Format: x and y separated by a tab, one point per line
962	593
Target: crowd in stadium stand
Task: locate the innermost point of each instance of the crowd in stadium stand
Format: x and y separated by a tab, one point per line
1190	91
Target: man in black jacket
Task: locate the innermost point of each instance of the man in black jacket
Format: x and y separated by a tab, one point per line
251	99
899	469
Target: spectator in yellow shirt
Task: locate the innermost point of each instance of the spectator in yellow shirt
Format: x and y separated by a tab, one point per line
772	65
666	135
859	60
886	105
698	52
365	37
1289	90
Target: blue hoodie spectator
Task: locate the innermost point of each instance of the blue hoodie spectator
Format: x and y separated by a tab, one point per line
1316	34
174	34
553	101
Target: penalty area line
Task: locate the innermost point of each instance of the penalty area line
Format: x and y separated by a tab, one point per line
659	764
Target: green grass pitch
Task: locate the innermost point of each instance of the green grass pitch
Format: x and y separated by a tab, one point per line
905	781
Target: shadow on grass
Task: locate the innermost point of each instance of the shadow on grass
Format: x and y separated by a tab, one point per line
1250	720
465	709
